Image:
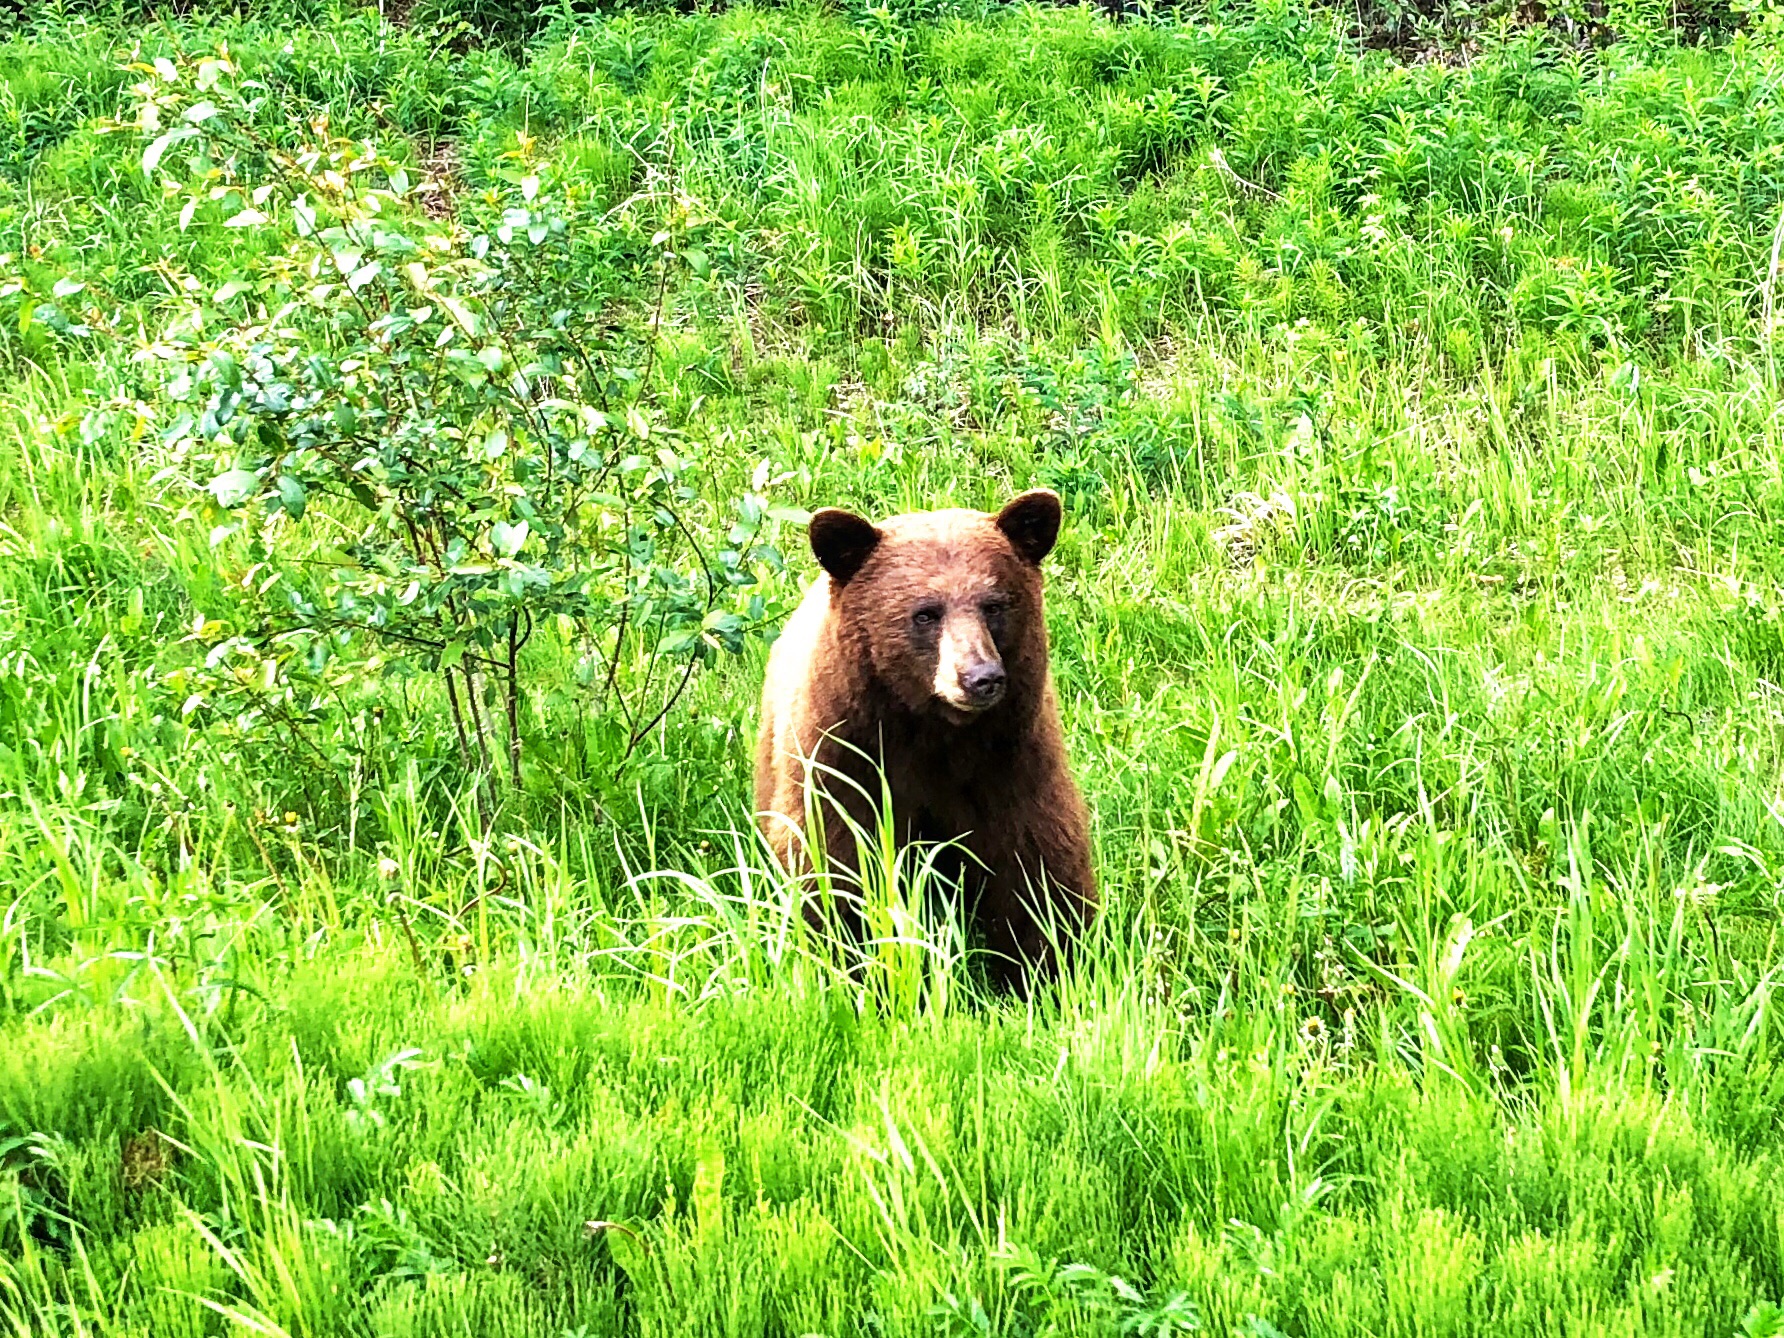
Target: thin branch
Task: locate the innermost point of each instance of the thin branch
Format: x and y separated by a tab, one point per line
657	719
402	917
514	699
458	720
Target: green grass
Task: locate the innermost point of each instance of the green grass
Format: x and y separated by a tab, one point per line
1417	629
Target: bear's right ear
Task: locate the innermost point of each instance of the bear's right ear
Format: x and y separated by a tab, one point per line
842	541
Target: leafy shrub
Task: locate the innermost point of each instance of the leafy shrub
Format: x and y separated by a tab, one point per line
46	12
1057	1298
1101	426
431	441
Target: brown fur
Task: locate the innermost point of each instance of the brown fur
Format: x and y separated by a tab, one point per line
965	755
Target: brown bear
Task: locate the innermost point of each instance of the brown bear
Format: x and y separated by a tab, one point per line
923	649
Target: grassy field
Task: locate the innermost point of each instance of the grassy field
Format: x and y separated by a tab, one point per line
383	949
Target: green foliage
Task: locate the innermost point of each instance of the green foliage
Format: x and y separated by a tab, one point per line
1416	630
456	404
1068	1298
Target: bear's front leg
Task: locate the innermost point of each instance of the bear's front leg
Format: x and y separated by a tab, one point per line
1029	928
1039	891
842	817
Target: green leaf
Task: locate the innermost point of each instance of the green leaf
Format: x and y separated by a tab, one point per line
234	486
507	539
203	111
364	275
1306	802
292	496
627	1249
1224	765
132	621
151	156
66	287
709	1183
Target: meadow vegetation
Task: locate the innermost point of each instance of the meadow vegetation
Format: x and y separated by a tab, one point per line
406	424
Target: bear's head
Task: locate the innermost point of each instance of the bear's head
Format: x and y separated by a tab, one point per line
947	605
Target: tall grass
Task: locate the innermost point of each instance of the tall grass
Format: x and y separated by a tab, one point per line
1416	625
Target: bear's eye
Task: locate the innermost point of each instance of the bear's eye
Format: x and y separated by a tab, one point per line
927	616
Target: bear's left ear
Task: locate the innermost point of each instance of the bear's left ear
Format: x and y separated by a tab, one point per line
841	541
1031	523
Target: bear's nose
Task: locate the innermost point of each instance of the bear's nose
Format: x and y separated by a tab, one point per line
984	683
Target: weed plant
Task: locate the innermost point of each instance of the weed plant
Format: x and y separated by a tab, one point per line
1416	626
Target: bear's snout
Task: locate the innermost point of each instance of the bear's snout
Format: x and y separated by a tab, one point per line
969	672
984	684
